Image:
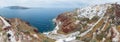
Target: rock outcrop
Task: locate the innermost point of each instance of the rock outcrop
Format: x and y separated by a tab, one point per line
100	23
16	30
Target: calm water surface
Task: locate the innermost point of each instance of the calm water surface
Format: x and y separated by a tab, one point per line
40	18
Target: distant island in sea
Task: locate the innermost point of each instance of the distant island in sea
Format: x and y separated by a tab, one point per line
17	7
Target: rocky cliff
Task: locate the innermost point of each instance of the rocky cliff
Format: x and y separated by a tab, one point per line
16	30
99	23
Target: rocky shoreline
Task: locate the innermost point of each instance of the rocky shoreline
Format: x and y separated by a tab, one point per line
95	23
16	30
99	23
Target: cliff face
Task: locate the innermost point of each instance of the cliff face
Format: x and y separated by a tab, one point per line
16	30
100	23
68	22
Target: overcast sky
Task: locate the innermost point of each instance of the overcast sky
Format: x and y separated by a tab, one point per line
53	3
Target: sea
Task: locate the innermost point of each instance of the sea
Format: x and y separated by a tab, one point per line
40	18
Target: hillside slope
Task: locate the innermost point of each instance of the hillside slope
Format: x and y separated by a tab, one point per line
16	30
98	23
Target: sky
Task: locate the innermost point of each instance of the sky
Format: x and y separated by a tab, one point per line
54	3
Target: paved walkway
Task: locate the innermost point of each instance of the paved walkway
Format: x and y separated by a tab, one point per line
6	24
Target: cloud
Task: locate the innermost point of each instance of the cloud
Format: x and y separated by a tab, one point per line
53	3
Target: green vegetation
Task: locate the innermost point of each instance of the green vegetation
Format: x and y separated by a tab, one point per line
0	29
112	16
84	19
27	32
45	40
86	39
100	36
78	38
93	40
108	27
85	24
95	18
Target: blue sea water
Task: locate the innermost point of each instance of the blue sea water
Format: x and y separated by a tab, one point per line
41	18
